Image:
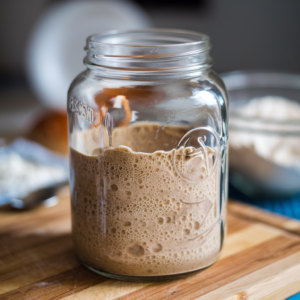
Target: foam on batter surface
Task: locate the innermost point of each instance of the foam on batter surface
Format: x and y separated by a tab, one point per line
132	214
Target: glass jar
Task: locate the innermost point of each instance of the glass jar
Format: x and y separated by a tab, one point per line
148	155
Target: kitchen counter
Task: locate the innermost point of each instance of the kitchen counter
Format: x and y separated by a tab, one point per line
260	260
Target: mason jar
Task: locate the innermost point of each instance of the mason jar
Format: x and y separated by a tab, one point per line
148	155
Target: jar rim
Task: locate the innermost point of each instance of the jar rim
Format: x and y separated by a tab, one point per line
181	38
148	49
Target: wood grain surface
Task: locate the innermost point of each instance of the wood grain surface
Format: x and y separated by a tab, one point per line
253	213
260	260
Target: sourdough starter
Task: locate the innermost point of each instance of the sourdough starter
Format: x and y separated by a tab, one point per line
132	214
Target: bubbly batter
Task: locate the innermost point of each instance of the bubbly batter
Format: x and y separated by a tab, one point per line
134	215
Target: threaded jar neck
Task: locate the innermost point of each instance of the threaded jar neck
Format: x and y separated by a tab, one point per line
149	50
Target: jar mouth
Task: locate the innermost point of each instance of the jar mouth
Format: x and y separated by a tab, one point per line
148	49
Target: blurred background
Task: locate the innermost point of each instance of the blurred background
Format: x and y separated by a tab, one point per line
42	51
42	43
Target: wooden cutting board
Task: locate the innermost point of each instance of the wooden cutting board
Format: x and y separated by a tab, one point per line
260	260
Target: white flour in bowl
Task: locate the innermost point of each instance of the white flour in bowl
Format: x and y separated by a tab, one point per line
280	149
24	175
26	166
271	107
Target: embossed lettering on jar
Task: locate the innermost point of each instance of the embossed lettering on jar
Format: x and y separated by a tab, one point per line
148	155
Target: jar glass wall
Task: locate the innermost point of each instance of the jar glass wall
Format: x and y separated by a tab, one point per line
148	155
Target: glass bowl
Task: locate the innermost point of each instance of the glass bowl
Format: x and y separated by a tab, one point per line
264	153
